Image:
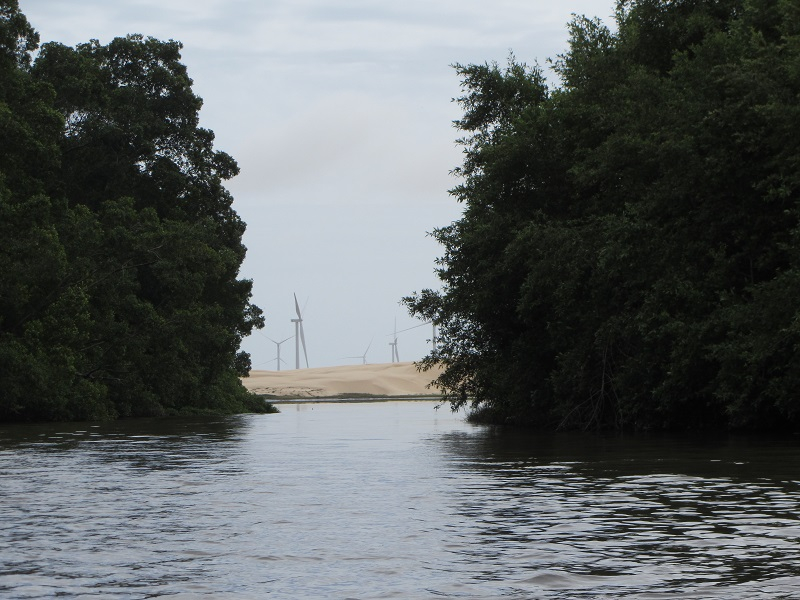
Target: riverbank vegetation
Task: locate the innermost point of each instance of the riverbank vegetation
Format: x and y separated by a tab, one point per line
628	254
119	248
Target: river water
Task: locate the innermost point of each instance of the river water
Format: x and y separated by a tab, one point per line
391	500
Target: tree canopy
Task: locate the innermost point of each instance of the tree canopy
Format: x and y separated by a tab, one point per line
628	251
119	247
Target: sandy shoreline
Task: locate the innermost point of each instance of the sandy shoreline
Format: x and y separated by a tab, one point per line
390	379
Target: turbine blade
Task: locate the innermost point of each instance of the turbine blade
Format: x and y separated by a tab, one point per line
303	341
297	307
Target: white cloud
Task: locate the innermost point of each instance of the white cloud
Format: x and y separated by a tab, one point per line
347	148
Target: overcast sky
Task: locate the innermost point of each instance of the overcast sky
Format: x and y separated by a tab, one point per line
340	114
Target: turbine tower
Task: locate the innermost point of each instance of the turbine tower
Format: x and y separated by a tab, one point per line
299	337
395	353
278	344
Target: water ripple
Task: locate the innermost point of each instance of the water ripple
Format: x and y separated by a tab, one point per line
390	500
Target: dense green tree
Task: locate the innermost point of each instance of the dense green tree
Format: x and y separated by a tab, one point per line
627	254
42	317
120	248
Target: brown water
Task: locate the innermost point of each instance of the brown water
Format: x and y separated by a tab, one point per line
390	500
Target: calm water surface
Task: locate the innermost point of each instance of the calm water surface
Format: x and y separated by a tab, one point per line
390	500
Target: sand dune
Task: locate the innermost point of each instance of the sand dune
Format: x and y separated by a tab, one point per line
391	379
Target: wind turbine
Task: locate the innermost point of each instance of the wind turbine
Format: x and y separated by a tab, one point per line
363	357
278	344
299	337
395	353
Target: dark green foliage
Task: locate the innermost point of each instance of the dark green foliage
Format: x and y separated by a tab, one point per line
119	248
628	253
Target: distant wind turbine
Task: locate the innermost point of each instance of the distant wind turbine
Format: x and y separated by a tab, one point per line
278	344
363	357
299	336
395	353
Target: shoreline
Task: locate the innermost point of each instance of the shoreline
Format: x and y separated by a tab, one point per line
347	399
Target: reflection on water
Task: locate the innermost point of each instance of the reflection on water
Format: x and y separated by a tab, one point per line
642	517
390	500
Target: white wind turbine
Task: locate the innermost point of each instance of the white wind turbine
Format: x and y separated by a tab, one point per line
299	337
363	357
278	344
395	353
